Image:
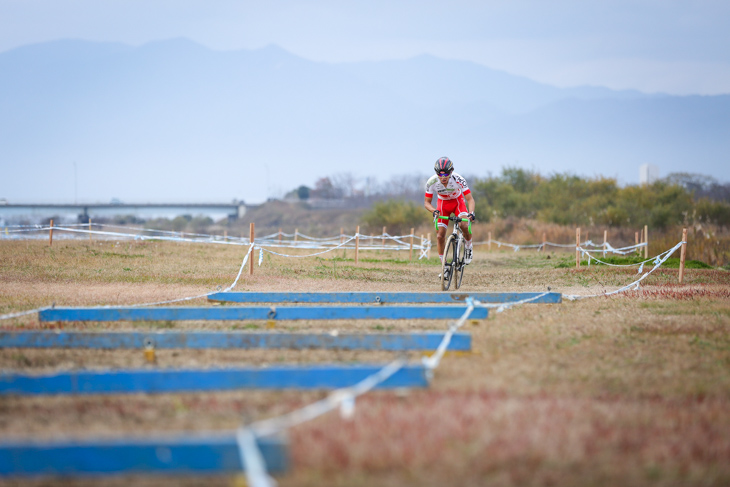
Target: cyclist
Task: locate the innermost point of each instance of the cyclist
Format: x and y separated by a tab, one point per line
454	196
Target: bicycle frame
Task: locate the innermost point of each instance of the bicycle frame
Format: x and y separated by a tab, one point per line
453	264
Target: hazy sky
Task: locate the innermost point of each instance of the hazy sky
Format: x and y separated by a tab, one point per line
672	46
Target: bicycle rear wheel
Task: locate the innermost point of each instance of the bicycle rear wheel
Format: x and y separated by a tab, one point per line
461	254
449	269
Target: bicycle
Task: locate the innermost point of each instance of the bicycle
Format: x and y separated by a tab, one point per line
454	252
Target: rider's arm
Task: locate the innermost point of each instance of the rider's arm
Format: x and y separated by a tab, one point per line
427	204
470	203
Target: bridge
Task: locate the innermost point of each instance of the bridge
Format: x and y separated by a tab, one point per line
34	213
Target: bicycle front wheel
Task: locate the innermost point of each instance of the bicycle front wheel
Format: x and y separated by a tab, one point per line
460	256
449	269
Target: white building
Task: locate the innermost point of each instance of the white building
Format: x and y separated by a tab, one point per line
648	173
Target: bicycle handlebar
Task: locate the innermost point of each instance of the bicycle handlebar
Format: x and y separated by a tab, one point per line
453	219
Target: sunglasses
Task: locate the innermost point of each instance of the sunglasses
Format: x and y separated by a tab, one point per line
443	174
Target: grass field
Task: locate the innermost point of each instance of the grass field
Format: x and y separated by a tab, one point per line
628	390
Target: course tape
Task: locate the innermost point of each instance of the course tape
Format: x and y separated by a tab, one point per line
188	298
585	252
217	239
588	243
345	398
660	259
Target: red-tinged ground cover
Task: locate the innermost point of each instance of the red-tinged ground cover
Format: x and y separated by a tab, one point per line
629	390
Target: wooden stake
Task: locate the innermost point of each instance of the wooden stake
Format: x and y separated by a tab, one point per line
577	245
428	252
383	244
342	235
89	229
357	243
279	236
682	255
641	240
489	239
544	240
251	232
605	240
646	239
225	234
50	234
423	242
411	251
636	239
296	235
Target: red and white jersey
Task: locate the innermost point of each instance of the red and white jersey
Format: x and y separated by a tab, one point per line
455	187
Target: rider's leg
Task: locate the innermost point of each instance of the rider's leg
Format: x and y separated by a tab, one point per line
468	244
467	234
464	225
441	232
441	241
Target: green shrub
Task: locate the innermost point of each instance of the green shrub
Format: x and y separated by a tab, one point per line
717	212
568	199
397	216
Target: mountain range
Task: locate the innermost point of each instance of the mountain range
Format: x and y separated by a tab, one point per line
174	120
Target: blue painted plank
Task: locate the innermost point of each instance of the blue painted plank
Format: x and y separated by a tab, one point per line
204	340
175	380
192	454
384	297
258	313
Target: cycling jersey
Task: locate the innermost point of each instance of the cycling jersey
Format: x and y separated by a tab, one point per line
454	188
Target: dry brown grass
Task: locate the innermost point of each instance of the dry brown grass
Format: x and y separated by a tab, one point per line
707	243
627	390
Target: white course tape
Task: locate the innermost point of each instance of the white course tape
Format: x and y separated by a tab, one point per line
23	313
145	237
345	398
309	255
636	284
238	276
188	298
641	264
252	459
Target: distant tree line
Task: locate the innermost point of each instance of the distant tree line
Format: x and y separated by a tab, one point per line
567	199
360	192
